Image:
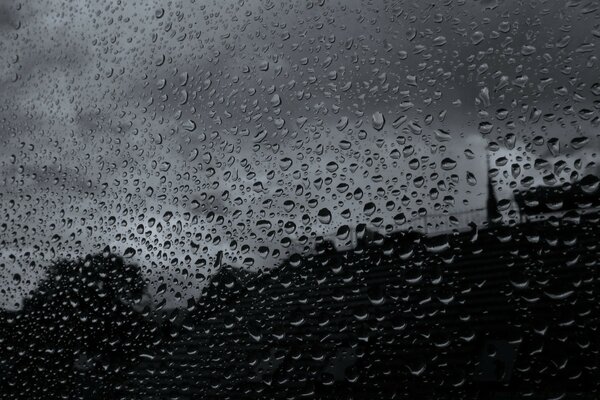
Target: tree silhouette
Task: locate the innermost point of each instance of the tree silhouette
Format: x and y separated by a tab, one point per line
78	333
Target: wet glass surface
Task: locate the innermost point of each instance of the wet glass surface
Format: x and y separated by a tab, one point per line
299	199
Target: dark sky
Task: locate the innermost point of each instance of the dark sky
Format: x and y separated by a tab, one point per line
171	131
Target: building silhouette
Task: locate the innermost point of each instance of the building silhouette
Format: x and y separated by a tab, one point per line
493	313
493	216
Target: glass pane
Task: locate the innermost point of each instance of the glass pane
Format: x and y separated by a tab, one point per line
299	199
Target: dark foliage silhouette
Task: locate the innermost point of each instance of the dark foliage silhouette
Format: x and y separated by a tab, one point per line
77	333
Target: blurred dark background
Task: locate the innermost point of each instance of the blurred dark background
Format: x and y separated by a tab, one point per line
500	312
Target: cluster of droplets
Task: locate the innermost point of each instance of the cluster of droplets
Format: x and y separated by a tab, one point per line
188	135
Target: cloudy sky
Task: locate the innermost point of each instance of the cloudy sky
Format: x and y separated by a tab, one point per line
169	131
